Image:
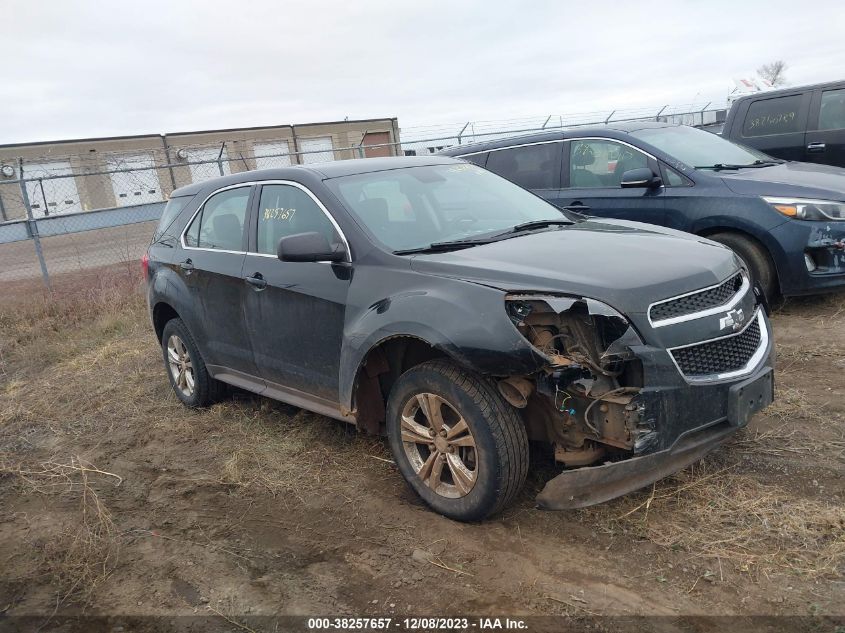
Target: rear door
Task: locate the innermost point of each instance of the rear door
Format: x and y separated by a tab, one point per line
774	125
210	262
593	169
294	311
826	131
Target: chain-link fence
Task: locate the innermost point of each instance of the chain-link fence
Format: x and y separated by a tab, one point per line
97	214
56	221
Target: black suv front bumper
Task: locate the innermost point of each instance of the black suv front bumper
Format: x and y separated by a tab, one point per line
588	486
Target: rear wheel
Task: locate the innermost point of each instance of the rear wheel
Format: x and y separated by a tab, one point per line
756	259
458	444
186	369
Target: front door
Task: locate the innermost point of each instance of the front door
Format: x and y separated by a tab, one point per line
294	311
593	171
211	264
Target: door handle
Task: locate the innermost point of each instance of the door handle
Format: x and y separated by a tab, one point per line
577	207
257	281
816	147
187	266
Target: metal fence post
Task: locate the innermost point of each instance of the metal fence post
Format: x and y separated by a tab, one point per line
360	146
461	133
220	158
32	228
2	208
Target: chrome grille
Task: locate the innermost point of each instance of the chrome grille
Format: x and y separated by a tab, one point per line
729	354
697	301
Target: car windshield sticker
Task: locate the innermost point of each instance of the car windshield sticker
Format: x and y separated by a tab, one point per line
279	213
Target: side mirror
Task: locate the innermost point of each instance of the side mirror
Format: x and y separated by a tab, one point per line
309	247
641	177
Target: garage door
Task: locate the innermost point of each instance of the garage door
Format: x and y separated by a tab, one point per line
206	170
54	196
271	154
134	187
377	138
319	148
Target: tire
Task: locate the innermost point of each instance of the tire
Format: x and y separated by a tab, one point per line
186	369
756	259
482	462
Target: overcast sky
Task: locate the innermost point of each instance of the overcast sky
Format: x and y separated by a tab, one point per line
78	69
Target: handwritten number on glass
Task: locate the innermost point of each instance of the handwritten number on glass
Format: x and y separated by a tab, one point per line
279	213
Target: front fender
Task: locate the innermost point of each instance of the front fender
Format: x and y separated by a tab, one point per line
718	223
470	325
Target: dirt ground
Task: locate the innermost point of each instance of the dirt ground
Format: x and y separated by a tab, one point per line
115	499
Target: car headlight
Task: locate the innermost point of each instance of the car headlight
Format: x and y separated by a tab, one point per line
805	209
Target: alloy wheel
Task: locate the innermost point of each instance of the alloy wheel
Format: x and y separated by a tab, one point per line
439	445
181	368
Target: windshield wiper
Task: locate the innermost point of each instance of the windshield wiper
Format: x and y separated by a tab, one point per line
756	163
538	224
440	247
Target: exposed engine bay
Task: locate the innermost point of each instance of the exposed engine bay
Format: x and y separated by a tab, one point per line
584	402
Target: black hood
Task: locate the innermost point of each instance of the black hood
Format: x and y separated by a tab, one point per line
627	265
804	180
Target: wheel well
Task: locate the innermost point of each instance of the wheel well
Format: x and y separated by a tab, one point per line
162	313
379	370
746	236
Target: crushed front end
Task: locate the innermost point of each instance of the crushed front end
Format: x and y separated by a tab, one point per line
626	400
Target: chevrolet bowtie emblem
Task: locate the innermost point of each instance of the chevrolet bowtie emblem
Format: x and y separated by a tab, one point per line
732	319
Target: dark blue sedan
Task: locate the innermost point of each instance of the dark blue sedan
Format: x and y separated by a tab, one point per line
786	220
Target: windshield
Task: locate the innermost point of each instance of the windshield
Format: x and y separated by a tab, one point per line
698	148
413	207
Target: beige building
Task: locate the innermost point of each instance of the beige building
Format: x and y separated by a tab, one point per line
102	173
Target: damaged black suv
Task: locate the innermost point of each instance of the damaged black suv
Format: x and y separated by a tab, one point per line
463	316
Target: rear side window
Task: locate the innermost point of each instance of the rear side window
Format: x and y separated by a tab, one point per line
772	116
286	210
220	223
530	166
174	208
832	114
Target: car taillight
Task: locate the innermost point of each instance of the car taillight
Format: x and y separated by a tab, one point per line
145	265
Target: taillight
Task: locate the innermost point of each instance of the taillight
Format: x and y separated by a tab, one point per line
145	265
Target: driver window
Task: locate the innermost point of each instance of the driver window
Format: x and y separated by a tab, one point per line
287	210
220	224
599	163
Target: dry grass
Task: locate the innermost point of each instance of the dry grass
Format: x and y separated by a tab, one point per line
289	453
79	366
83	552
792	403
821	307
733	520
38	328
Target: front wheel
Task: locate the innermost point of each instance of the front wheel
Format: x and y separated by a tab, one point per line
756	259
458	444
